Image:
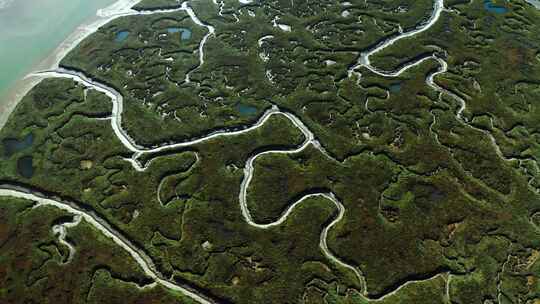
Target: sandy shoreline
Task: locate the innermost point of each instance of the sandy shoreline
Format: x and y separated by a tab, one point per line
22	86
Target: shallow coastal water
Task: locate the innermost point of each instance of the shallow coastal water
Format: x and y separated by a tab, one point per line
36	28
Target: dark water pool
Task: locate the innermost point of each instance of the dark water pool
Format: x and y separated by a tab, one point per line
12	145
185	34
246	110
395	88
25	166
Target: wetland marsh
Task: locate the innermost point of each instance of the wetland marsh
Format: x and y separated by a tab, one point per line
282	153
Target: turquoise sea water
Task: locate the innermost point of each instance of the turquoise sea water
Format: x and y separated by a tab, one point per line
31	30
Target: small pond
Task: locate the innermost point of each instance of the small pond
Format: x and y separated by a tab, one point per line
12	145
246	110
395	88
25	166
185	34
121	36
492	8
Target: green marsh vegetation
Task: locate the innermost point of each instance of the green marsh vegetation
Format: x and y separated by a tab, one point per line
439	209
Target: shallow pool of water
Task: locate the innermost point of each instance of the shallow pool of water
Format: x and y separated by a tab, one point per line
395	88
185	34
121	36
246	110
12	145
25	166
492	8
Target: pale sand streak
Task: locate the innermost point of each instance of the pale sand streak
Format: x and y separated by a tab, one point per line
61	231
